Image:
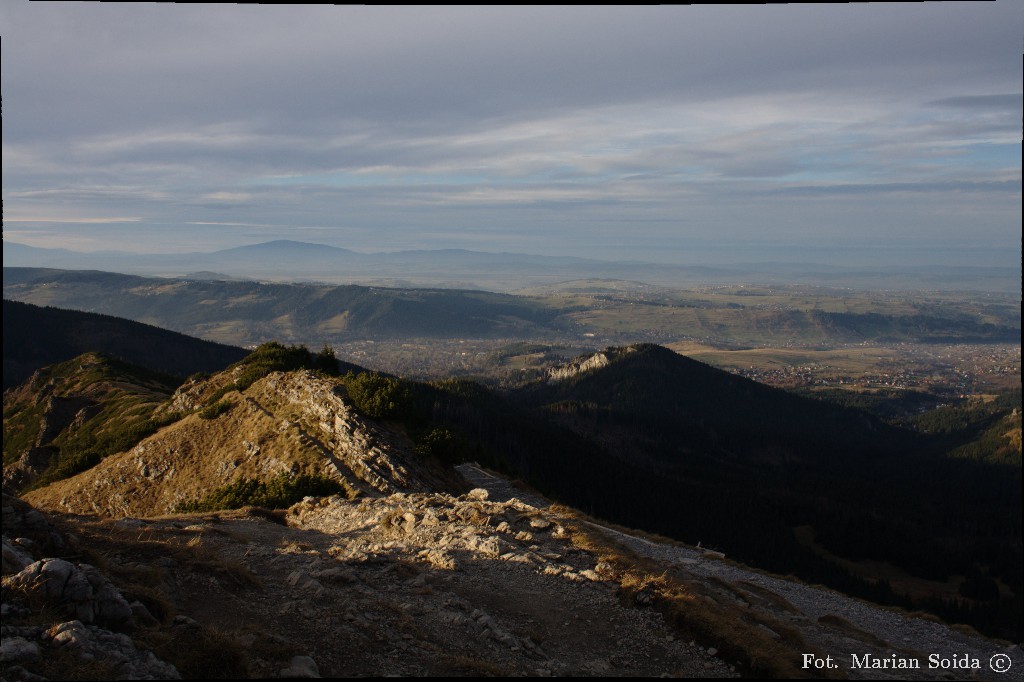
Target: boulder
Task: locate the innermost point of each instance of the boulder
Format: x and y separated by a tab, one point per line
301	666
82	590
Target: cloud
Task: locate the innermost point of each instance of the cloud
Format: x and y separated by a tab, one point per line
550	124
215	198
1000	187
17	218
1000	102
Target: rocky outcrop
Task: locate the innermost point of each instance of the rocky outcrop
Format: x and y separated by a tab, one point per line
82	591
583	365
577	367
60	413
45	590
27	468
287	422
379	456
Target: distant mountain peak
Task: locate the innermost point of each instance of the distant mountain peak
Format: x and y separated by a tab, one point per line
285	245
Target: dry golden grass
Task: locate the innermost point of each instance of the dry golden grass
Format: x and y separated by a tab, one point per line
62	663
198	652
104	541
775	600
41	610
851	630
472	667
277	516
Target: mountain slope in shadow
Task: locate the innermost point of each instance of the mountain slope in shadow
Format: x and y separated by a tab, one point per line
36	336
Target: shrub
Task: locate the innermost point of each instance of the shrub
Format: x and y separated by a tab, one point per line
445	445
280	492
271	357
380	397
216	409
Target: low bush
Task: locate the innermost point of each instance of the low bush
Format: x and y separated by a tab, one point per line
216	409
379	396
280	492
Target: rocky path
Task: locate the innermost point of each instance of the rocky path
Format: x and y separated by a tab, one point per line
499	488
843	627
494	582
855	634
418	584
432	584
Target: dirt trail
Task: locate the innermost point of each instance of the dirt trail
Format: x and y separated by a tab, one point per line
854	633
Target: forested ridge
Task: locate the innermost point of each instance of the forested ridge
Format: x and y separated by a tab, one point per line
36	336
657	441
664	443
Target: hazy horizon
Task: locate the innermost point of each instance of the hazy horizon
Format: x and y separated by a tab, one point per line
846	135
723	254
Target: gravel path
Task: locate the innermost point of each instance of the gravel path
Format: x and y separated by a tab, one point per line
853	634
906	636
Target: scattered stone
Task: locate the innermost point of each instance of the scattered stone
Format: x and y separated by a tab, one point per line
82	590
73	634
142	615
15	558
302	667
14	649
409	522
185	622
540	524
438	558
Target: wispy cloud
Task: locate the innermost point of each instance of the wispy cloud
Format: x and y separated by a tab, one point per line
543	125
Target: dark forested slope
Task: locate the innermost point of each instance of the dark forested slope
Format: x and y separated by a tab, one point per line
679	447
37	336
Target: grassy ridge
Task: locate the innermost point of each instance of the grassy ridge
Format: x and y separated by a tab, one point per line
94	406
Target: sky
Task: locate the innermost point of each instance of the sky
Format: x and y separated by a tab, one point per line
676	134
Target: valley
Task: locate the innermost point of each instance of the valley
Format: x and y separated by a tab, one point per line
869	441
942	343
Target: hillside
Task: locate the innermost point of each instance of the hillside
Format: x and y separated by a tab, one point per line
495	582
283	426
68	416
35	337
668	435
639	436
248	313
710	411
253	312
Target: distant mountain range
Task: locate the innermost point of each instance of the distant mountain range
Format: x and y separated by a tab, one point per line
247	313
286	260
